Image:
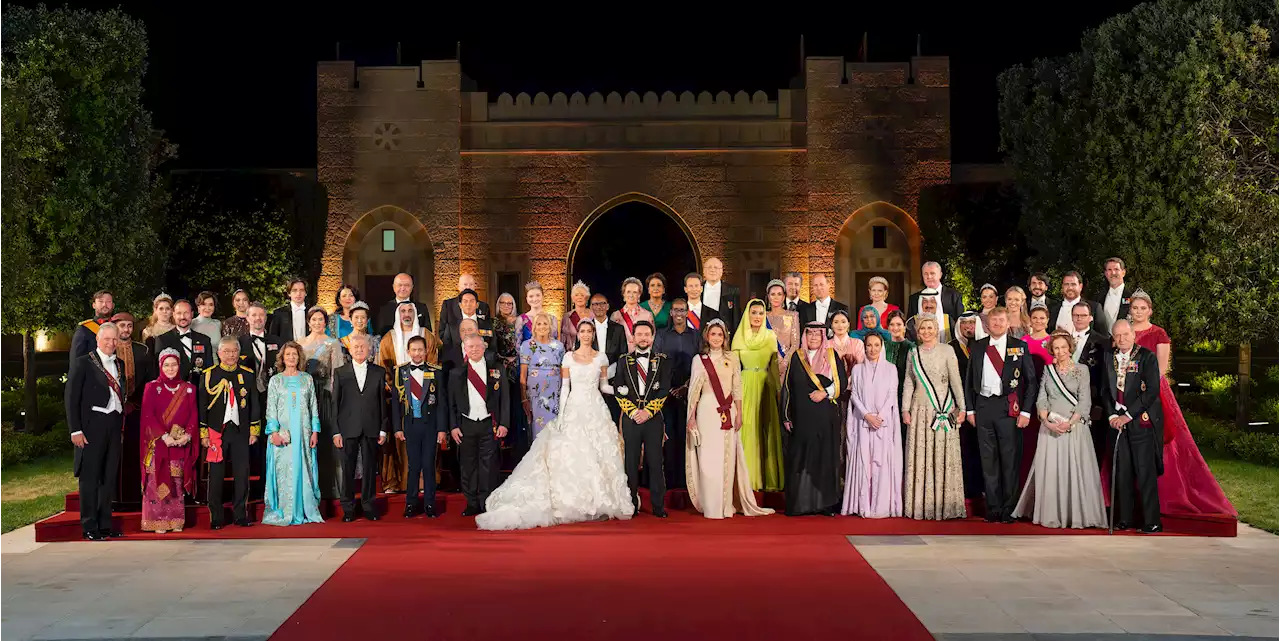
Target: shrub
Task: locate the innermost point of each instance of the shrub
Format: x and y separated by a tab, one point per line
20	447
1207	347
1212	383
1220	436
1273	375
49	396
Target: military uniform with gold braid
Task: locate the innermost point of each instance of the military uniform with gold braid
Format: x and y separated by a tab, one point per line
643	388
230	413
419	409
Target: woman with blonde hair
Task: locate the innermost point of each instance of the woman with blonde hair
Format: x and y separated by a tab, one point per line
878	290
1015	304
524	324
540	360
932	404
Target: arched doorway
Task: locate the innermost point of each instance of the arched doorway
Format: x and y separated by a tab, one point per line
877	240
632	235
384	242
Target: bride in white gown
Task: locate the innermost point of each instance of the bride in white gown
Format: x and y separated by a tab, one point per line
573	471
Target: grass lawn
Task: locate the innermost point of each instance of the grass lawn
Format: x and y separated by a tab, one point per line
31	491
1252	488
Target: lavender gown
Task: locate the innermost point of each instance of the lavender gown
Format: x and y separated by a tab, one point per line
543	384
873	467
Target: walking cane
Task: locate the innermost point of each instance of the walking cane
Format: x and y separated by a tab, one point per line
1115	458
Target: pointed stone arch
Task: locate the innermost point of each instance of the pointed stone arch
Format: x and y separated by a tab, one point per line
863	251
369	265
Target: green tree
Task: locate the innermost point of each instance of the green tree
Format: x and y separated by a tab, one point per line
1157	143
79	186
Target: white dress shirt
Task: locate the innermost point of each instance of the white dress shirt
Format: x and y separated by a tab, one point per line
417	373
109	363
711	294
259	345
1123	369
820	307
232	412
1033	301
477	409
991	380
642	362
697	310
830	389
602	336
362	373
1111	306
1081	339
299	320
791	304
184	335
1064	315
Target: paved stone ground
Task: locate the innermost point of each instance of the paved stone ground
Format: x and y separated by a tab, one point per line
964	588
1075	587
206	589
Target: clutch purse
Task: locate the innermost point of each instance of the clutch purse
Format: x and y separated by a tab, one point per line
176	432
1058	418
696	438
284	438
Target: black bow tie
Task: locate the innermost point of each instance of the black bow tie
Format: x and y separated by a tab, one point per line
642	354
421	368
259	339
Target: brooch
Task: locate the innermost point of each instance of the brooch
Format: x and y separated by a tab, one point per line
655	385
1013	384
199	349
244	391
1144	386
1146	417
730	304
1017	373
199	362
622	389
432	388
495	386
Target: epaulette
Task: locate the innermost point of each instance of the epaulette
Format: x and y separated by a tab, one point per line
91	325
246	368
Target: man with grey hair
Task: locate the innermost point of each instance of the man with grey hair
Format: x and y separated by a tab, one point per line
230	422
95	399
360	397
948	300
721	297
792	282
1131	402
480	412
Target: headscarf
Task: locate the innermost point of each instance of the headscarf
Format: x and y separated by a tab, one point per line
124	351
401	338
164	355
961	340
747	340
863	330
820	363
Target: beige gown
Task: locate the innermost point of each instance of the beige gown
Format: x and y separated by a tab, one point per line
716	469
934	481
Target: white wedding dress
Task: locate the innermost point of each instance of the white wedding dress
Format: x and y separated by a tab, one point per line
573	472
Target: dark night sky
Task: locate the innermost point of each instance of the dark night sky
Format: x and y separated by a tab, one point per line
236	88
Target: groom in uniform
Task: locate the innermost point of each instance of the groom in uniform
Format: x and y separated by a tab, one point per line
641	385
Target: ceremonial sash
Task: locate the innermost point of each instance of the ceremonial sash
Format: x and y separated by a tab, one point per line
993	355
626	319
574	319
111	380
781	352
644	375
831	357
1057	382
476	383
694	321
942	410
723	404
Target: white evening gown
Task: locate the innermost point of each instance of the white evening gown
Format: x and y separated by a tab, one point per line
573	471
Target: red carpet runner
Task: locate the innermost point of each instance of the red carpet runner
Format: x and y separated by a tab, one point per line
585	582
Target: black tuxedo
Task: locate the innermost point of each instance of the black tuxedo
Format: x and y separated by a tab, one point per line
730	309
615	347
1099	321
451	314
999	438
484	324
478	451
1050	305
97	464
280	324
1091	356
1140	445
952	304
265	369
809	312
626	389
212	407
705	315
1100	297
388	318
362	416
420	431
190	363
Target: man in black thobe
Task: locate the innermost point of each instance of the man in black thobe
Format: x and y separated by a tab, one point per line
230	421
680	343
811	416
480	410
641	386
95	401
360	398
1136	417
419	416
1000	395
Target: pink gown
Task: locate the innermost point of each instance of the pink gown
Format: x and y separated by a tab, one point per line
1040	355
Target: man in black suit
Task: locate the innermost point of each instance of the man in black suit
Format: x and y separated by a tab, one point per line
195	350
82	341
469	308
289	323
610	338
719	296
1114	299
1000	395
360	401
1132	399
420	418
698	312
480	412
258	352
95	401
641	385
823	305
949	299
451	311
1038	294
140	367
1090	348
230	423
1060	315
388	316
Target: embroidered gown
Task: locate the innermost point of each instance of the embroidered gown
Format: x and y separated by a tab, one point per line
761	428
292	493
167	472
542	382
934	481
716	469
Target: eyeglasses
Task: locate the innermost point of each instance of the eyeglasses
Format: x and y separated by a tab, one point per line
600	302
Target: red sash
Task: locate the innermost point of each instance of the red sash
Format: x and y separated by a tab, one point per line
111	380
723	404
626	319
694	321
993	355
476	382
644	376
574	319
415	388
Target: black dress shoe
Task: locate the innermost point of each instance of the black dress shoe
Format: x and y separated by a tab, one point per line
347	518
636	512
660	513
373	517
1152	529
991	518
93	536
827	512
110	534
410	511
430	511
243	522
471	511
1007	520
215	526
1122	526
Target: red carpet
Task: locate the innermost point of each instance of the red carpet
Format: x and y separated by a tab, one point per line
565	584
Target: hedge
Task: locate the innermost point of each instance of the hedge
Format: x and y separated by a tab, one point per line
21	447
1220	436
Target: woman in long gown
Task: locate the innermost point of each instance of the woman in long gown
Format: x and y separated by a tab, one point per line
656	304
580	295
933	399
161	320
506	343
573	471
1064	488
1187	486
989	298
340	324
169	449
1037	340
896	351
631	311
324	355
715	463
873	465
757	348
1015	302
524	324
541	358
292	493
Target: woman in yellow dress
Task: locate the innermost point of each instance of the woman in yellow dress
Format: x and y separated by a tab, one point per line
757	348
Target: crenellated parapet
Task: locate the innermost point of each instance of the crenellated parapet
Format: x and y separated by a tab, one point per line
615	106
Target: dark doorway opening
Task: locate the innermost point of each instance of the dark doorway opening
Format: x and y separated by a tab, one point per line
632	239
